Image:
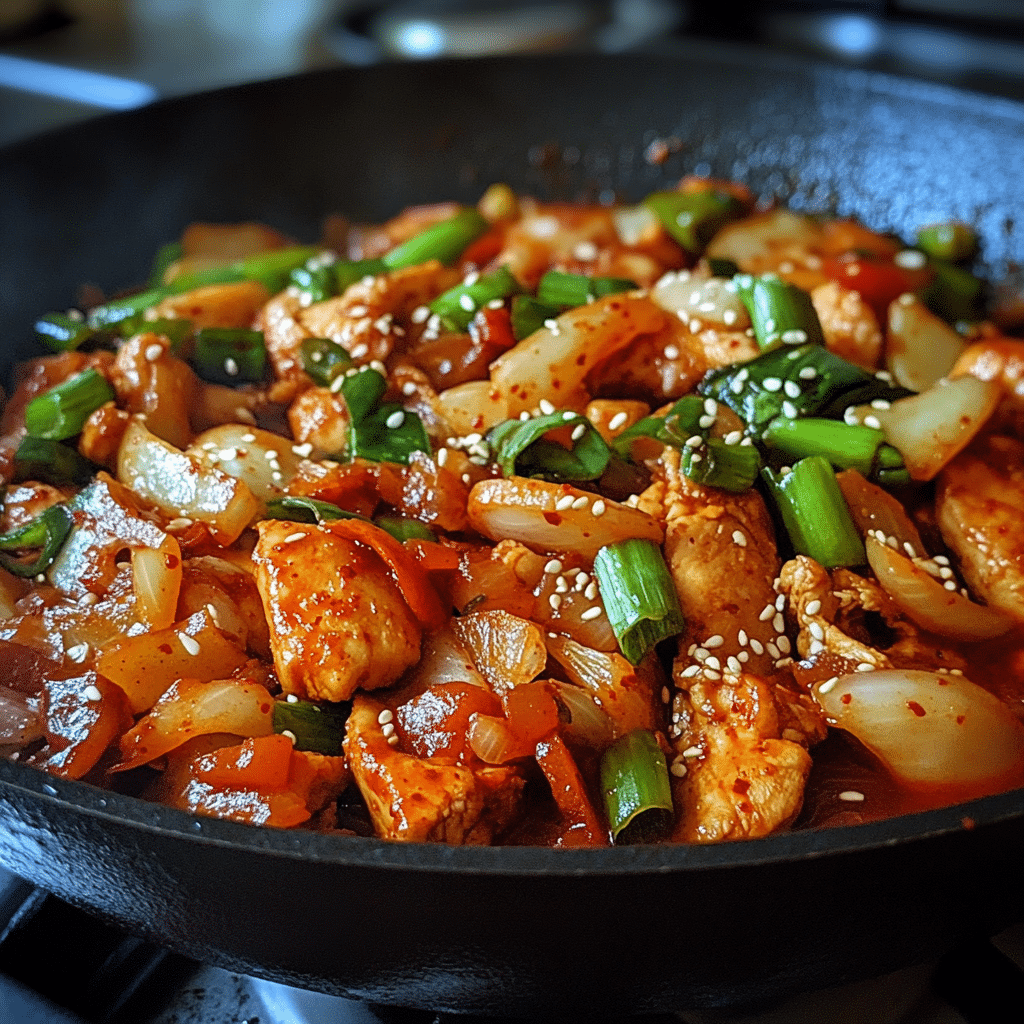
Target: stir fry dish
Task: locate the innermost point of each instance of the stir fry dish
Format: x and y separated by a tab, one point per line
528	523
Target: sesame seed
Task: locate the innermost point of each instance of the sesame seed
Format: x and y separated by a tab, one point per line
395	420
794	336
190	643
713	663
590	593
618	420
546	407
739	538
909	259
729	316
230	367
678	769
388	730
153	352
694	442
598	508
851	796
772	384
78	653
714	641
466	302
880	403
555	601
792	389
734	437
690	671
293	537
773	650
789	410
767	612
813	607
591	613
671	352
756	646
289	734
553	566
808	373
292	698
700	654
385	716
393	740
360	351
578	431
865	666
873	421
563	503
816	631
816	647
783	644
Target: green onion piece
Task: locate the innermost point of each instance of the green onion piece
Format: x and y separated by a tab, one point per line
347	272
950	241
557	288
403	528
722	267
731	467
315	282
639	596
316	727
522	449
192	279
165	256
781	313
805	380
51	462
636	788
677	426
298	509
529	314
124	315
445	241
47	532
692	218
177	331
954	293
61	412
323	359
845	445
61	332
272	268
230	355
459	305
815	514
389	434
362	392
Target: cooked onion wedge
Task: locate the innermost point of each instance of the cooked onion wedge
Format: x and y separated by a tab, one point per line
506	649
930	729
920	348
925	600
555	517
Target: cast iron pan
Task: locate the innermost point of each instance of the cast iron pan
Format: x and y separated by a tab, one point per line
511	931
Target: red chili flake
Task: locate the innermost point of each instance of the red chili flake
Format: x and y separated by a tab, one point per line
553	518
916	708
741	786
960	719
846	698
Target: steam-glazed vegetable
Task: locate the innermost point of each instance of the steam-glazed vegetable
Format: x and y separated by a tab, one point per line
524	523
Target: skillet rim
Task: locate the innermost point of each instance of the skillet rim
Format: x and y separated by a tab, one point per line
142	816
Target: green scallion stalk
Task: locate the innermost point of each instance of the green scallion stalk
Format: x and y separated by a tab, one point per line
950	241
457	306
295	508
529	314
639	596
389	434
51	462
845	445
677	426
229	355
636	788
815	514
47	532
323	359
124	315
557	288
521	448
272	268
316	283
362	392
730	467
61	412
402	528
61	332
445	241
316	727
177	331
347	272
781	313
692	218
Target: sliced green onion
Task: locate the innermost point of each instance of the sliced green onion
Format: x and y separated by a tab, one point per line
636	788
165	256
679	424
230	355
177	331
815	514
731	467
389	434
295	508
316	727
323	359
639	596
805	380
51	462
124	315
522	449
272	268
529	314
457	306
61	412
347	272
445	241
316	282
692	218
950	241
402	528
62	332
362	392
845	445
557	288
780	312
47	532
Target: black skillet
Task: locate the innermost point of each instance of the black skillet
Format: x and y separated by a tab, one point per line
519	931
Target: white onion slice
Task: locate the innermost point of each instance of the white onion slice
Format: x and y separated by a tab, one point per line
589	723
925	600
264	460
20	719
156	578
931	428
920	348
930	729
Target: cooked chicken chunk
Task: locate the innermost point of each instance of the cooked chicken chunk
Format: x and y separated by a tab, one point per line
742	779
338	621
426	799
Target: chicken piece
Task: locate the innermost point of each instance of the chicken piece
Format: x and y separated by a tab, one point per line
1001	359
849	324
850	624
418	799
283	334
720	549
338	621
216	305
320	417
375	313
979	507
741	778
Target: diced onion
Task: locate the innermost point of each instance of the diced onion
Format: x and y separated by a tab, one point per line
930	729
589	723
157	581
920	348
491	739
506	649
925	600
